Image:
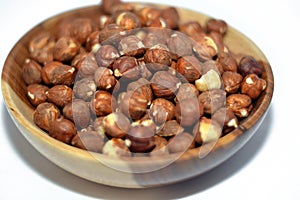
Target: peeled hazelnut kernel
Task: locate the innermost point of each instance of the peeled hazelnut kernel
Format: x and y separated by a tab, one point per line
103	103
240	104
162	110
60	95
232	81
212	100
116	124
31	72
210	80
181	143
116	147
207	131
84	89
65	49
252	85
44	114
36	94
189	67
88	140
62	129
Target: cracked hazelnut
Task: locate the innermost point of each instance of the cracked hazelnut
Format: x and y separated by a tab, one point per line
162	110
231	81
248	65
189	67
209	81
56	73
65	49
116	147
62	129
88	140
36	94
116	124
212	100
60	95
240	104
206	131
252	85
181	143
44	114
84	89
31	72
103	103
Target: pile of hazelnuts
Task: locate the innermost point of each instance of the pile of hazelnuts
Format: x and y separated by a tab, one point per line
137	80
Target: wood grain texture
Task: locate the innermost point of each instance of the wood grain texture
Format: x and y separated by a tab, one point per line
111	171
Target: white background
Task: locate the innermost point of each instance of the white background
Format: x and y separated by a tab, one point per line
268	167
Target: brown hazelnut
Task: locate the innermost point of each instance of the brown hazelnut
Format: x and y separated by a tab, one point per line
226	119
227	61
60	95
191	28
205	47
126	20
152	39
108	32
93	43
44	114
87	66
252	85
127	67
88	140
116	124
103	103
116	147
148	15
211	65
186	91
62	129
218	39
240	104
232	81
170	128
164	84
98	126
41	47
179	45
84	89
141	139
171	17
56	73
36	94
160	148
106	55
142	85
216	25
212	100
206	131
104	79
131	46
188	111
248	65
65	49
31	72
181	143
189	67
162	110
81	28
158	55
133	104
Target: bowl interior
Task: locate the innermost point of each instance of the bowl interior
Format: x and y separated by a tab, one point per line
14	93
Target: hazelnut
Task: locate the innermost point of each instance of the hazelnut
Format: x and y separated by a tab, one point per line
181	143
206	131
205	48
31	72
108	32
84	88
232	81
87	66
186	91
88	140
65	49
252	85
36	94
226	119
106	55
227	61
158	55
141	139
170	128
162	110
189	67
126	20
62	129
93	43
104	79
191	28
142	85
164	84
78	59
103	103
98	126
131	46
160	148
152	39
211	65
216	25
179	45
240	104
116	124
218	39
212	100
133	104
81	28
248	65
41	47
116	147
44	114
210	80
171	17
188	111
56	73
127	67
148	15
60	95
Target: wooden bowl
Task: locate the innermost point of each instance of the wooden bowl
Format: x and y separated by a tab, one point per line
133	172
